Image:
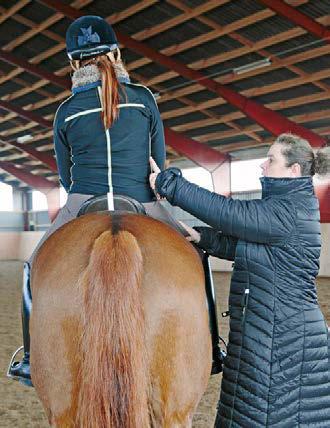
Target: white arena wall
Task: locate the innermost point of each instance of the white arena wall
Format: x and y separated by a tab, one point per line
19	246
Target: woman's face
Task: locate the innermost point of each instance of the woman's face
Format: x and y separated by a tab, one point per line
275	165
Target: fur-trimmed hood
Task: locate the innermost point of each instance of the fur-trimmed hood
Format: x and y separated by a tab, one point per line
90	74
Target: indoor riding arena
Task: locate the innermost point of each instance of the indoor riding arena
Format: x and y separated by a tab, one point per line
229	77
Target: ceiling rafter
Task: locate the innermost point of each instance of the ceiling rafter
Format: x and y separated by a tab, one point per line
289	60
47	160
79	4
204	38
299	118
117	17
270	120
174	2
13	10
277	105
254	92
139	36
228	148
299	18
36	181
236	53
195	103
41	27
246	42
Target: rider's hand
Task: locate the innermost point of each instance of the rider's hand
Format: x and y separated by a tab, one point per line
193	236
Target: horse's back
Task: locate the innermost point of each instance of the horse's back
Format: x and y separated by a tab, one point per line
173	300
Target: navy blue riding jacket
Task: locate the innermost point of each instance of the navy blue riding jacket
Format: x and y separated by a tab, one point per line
93	160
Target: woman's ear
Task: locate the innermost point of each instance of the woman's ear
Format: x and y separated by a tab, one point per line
296	170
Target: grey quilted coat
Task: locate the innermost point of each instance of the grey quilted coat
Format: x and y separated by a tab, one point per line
277	371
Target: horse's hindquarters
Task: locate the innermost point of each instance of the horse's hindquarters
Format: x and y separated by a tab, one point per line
174	303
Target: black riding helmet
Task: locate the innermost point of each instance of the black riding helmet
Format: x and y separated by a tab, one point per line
89	36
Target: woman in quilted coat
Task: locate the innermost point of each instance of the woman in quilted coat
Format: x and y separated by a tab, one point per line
277	369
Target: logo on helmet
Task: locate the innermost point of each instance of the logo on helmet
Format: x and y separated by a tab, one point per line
88	37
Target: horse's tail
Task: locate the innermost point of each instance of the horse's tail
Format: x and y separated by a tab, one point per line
114	375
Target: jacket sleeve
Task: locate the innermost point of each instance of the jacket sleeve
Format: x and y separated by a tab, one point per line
266	221
62	152
157	139
216	243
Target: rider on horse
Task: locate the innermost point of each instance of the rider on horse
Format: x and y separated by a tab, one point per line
104	134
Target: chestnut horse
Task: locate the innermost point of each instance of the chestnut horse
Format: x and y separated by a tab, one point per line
119	325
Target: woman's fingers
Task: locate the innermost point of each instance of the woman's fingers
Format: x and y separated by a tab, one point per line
154	167
186	227
152	180
193	234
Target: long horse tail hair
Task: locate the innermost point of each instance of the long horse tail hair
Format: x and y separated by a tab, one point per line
114	376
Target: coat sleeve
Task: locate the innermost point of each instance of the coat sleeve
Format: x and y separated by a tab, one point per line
62	152
157	139
216	243
266	221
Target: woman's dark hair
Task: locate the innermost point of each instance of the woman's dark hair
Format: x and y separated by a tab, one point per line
298	150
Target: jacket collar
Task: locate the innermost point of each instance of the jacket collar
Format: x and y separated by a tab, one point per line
90	77
282	186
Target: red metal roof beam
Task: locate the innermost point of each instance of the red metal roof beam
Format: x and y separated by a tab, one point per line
38	71
199	153
42	157
35	181
29	115
299	18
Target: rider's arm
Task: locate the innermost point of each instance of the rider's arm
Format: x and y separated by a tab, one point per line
63	154
157	139
217	244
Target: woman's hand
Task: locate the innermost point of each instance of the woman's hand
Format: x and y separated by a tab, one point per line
165	180
193	236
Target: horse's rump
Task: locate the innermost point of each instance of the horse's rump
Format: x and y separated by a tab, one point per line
119	317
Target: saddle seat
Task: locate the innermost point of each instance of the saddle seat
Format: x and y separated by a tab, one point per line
121	203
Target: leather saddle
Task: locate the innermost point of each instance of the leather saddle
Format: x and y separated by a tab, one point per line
121	203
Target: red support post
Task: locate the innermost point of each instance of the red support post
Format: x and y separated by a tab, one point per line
322	191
